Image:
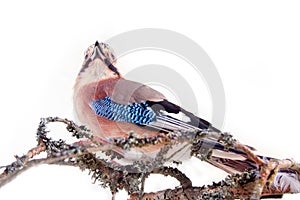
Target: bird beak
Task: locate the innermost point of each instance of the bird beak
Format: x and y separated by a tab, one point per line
97	53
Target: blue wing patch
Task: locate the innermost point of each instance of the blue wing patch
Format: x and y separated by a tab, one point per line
137	113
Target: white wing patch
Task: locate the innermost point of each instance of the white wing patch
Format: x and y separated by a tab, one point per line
173	122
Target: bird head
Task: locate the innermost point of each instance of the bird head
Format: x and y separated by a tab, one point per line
99	64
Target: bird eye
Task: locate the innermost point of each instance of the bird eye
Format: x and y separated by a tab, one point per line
88	52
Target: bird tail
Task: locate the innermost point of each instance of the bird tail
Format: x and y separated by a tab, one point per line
285	180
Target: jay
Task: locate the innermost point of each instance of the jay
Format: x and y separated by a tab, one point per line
112	107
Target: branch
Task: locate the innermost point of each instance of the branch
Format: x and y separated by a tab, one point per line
249	184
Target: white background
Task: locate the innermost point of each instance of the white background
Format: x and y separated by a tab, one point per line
255	47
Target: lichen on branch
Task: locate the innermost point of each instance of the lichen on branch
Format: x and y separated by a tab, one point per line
253	184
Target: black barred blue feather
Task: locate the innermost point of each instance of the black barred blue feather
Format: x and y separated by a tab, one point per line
137	113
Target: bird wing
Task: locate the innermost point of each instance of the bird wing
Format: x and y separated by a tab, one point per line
137	103
141	105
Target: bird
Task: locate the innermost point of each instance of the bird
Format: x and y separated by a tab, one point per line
113	107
